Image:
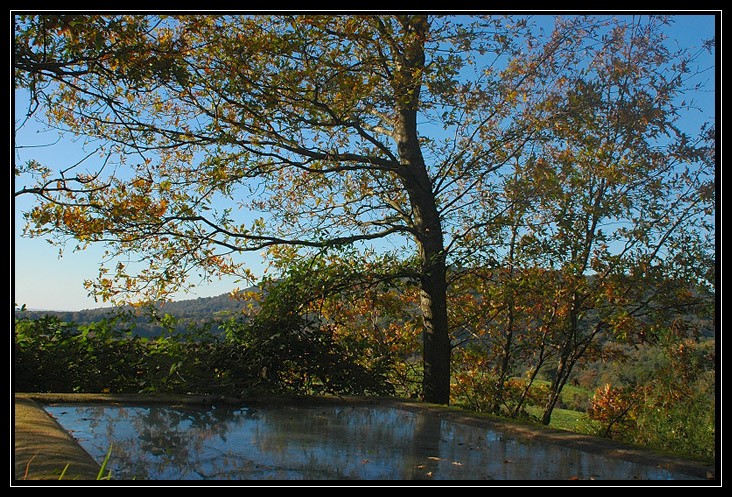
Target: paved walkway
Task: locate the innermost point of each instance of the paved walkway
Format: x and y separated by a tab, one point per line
43	449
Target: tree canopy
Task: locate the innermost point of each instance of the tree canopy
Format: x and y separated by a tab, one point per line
465	142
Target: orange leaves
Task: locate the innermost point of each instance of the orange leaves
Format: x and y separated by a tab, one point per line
140	183
611	407
161	207
77	220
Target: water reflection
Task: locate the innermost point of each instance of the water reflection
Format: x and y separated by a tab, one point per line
356	442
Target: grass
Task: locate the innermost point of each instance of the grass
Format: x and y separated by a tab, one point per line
100	475
102	468
566	419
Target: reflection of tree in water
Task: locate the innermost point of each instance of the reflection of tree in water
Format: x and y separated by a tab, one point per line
336	442
151	442
319	443
280	443
425	453
176	437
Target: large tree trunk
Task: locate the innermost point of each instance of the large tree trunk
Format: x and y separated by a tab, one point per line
433	280
426	220
437	348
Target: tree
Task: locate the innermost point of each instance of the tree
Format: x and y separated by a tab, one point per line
339	130
615	184
617	153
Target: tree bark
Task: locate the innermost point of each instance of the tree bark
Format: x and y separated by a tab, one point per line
407	79
433	275
555	391
436	341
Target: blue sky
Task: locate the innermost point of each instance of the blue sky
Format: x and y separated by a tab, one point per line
43	280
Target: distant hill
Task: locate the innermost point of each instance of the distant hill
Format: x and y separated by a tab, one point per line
207	310
188	312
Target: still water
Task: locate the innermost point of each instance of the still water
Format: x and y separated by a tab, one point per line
318	443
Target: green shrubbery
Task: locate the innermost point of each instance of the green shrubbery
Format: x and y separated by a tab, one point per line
669	406
307	335
54	356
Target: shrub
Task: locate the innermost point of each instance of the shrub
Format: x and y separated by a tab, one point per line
270	356
673	409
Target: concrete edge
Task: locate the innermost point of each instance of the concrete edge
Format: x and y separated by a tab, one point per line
44	450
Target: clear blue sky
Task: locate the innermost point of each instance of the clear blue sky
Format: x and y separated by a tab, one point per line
43	280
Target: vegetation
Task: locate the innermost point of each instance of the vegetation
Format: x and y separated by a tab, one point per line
472	142
208	313
481	210
281	352
665	398
317	331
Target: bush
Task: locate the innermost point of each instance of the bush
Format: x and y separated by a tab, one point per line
477	388
672	409
264	355
54	356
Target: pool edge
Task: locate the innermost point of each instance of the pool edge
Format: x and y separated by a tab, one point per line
586	443
44	450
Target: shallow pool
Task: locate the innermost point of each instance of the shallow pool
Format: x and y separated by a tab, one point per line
324	442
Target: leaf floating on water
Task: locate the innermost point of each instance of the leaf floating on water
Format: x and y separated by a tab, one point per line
433	458
364	461
421	466
429	474
455	463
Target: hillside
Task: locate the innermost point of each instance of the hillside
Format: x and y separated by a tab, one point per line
188	312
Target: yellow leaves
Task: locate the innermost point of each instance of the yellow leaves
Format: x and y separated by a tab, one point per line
140	183
74	219
161	207
220	174
165	36
67	217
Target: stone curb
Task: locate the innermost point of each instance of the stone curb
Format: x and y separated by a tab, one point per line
44	450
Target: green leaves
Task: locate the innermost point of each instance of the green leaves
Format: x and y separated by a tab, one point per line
547	151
